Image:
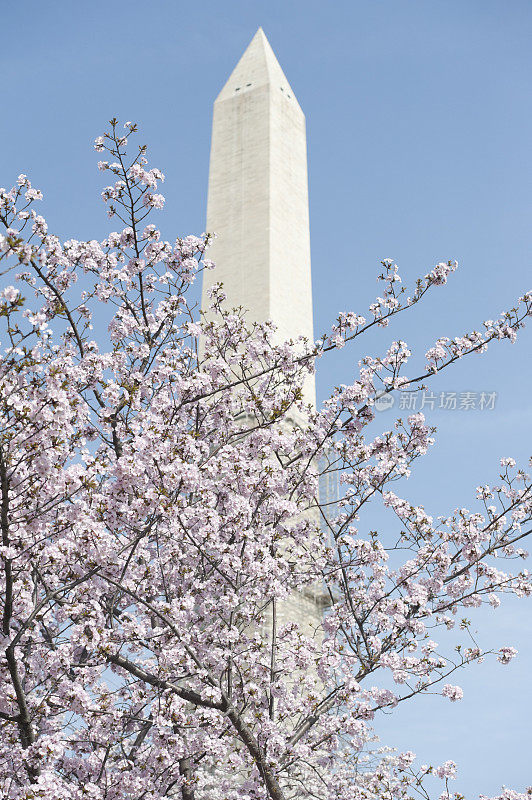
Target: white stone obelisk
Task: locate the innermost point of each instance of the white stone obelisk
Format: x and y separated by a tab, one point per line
258	198
258	207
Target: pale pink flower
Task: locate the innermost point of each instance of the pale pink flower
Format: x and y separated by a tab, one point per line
454	693
10	293
506	654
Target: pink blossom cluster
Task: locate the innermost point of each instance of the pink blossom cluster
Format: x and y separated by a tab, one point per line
161	515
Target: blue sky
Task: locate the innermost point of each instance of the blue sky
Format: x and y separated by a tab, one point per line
418	117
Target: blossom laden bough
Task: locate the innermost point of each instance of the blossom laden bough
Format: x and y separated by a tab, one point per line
160	510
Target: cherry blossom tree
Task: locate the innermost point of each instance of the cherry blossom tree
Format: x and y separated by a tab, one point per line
160	507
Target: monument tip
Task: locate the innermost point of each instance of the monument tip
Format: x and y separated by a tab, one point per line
257	66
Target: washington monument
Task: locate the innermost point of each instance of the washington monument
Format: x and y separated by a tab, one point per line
258	206
258	197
